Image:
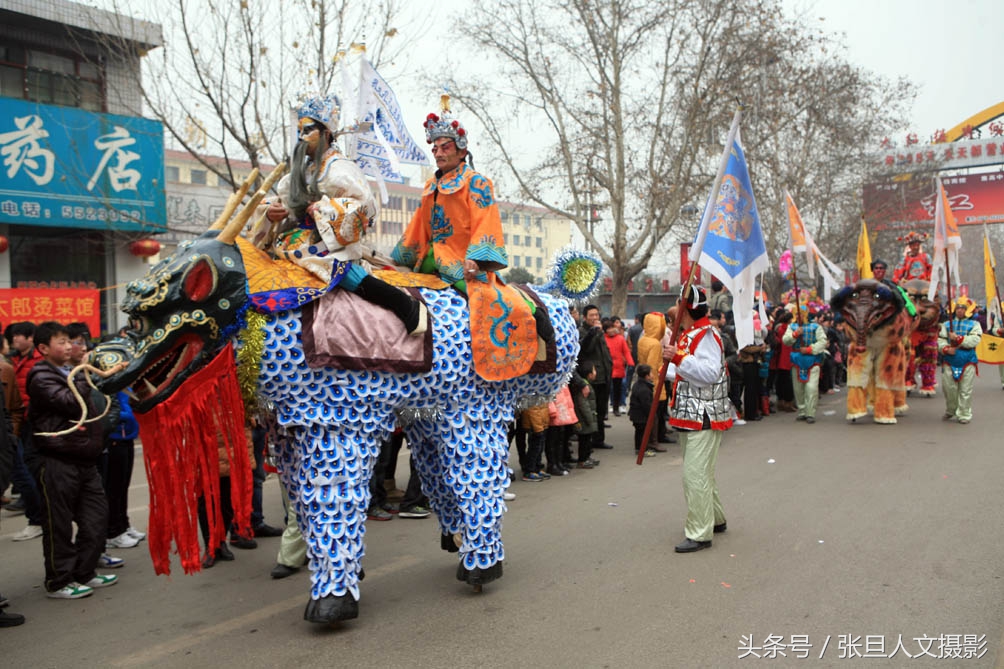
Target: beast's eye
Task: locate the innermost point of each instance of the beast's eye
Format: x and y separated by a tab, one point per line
199	280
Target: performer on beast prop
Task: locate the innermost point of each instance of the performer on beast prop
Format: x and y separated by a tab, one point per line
916	264
808	342
323	210
457	231
701	412
957	342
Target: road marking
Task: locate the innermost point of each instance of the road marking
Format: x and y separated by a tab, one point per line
156	654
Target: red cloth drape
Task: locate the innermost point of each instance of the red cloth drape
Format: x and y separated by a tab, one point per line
181	438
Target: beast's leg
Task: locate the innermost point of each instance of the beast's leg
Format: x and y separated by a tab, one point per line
473	452
333	474
442	497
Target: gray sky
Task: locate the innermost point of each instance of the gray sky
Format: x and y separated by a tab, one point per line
945	47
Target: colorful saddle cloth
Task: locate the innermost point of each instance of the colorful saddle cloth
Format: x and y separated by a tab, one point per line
345	331
281	285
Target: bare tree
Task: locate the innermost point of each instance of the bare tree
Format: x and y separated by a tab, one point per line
630	100
224	83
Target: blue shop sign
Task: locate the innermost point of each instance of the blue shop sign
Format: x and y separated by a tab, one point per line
63	166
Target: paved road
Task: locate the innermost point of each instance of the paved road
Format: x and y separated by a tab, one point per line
836	532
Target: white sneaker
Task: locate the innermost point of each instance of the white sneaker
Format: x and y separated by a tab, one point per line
136	534
122	541
508	496
738	421
29	532
71	591
110	562
102	581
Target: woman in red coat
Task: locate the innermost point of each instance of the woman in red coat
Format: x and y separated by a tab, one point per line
620	356
782	358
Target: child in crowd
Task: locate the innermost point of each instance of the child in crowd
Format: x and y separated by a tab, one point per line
70	484
585	411
562	414
642	393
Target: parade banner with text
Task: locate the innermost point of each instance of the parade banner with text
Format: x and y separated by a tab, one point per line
62	166
63	305
975	199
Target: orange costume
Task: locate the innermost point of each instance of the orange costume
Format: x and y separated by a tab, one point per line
458	221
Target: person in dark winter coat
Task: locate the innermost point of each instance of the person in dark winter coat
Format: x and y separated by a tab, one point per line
640	405
68	477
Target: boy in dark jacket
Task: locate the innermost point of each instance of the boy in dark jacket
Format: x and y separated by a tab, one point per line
68	477
584	400
640	405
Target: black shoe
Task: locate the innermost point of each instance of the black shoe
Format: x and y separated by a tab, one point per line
331	609
605	446
668	440
810	419
721	528
223	553
244	543
264	530
690	546
447	543
10	619
607	425
208	561
282	571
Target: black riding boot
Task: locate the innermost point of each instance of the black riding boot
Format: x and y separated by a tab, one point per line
544	328
407	308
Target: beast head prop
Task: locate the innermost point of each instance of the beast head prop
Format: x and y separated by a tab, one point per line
867	306
928	311
177	313
182	310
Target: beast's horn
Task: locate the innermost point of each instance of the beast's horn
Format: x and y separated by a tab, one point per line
234	227
234	200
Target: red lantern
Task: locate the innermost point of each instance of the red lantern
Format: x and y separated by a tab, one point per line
4	244
144	248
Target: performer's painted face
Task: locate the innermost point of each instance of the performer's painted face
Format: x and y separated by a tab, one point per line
914	248
311	132
447	155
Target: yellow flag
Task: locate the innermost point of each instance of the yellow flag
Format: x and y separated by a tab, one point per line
864	253
990	282
990	350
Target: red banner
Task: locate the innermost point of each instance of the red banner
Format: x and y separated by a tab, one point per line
63	305
685	265
974	198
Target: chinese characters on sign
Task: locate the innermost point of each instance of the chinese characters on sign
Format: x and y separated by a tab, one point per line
947	156
848	646
63	166
65	305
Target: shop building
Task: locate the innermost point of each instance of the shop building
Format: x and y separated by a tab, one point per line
81	172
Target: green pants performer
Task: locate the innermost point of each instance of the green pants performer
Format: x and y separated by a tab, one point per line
701	412
808	344
957	341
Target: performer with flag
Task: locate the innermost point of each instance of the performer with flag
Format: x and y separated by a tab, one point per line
322	212
701	411
808	342
730	245
957	342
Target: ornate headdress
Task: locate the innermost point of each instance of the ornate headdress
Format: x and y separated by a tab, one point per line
444	125
324	110
963	301
913	236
